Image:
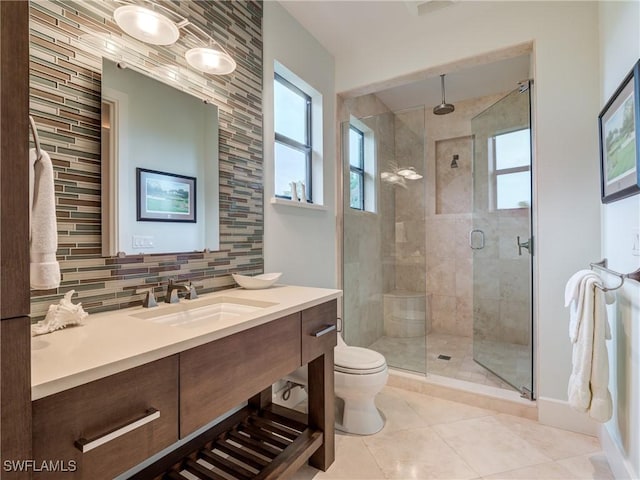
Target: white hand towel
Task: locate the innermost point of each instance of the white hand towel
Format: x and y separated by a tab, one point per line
572	289
45	270
588	384
574	298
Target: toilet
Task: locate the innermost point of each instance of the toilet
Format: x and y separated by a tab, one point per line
359	374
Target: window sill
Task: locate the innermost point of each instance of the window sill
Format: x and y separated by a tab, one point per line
291	203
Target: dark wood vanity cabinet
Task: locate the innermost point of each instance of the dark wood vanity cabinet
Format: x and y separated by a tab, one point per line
125	418
217	376
15	353
65	423
319	330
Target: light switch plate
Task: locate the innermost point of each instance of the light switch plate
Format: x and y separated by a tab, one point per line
142	241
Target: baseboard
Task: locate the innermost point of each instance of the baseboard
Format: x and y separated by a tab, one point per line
620	466
558	413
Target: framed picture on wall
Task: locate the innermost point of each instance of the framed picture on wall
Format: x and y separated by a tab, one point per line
619	127
165	197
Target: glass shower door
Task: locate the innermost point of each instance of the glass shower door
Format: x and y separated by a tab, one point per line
384	244
501	240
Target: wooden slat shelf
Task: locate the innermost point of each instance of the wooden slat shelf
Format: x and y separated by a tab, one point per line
263	444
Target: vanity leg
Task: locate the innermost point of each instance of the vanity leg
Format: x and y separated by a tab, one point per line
261	400
321	408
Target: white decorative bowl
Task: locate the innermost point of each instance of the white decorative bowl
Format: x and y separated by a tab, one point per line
256	283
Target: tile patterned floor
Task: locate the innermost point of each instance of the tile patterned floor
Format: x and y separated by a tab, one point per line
430	438
414	355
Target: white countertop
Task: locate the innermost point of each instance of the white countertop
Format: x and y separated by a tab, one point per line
112	342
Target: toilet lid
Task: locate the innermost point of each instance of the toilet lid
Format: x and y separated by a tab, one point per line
358	360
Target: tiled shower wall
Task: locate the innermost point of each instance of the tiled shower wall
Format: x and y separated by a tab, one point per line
449	194
65	103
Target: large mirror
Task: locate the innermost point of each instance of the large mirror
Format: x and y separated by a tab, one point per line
160	166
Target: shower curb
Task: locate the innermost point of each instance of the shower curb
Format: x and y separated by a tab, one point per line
482	396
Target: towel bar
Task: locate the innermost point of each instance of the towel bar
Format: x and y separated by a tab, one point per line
36	140
602	265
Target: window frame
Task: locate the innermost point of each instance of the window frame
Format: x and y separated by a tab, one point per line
496	172
358	170
306	148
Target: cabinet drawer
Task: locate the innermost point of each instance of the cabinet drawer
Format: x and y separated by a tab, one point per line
219	375
319	330
121	420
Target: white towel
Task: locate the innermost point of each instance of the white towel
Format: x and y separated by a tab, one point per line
43	238
574	298
588	389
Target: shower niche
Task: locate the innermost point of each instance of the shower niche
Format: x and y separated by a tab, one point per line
453	182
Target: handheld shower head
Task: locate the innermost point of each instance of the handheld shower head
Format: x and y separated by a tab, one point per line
444	107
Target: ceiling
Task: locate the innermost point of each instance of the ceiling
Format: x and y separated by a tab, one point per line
474	82
340	25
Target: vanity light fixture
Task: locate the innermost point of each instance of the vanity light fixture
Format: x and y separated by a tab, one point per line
213	60
146	25
150	26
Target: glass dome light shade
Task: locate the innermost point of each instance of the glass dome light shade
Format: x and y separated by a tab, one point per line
210	60
146	25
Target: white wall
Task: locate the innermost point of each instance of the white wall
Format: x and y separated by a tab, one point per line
299	242
566	105
619	51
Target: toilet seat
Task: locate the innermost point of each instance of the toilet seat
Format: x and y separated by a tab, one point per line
358	361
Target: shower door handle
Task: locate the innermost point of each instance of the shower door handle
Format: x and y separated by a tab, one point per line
476	232
528	245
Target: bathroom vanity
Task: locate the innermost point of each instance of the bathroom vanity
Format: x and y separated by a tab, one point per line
111	393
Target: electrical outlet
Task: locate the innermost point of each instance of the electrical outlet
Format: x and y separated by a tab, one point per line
635	248
142	241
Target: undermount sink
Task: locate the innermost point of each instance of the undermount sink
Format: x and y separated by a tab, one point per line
189	314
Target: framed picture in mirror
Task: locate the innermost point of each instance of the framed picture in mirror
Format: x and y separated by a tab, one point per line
165	197
619	127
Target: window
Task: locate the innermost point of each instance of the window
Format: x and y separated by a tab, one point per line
511	158
360	148
356	167
293	149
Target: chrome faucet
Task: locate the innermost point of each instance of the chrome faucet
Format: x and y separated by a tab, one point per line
172	291
149	299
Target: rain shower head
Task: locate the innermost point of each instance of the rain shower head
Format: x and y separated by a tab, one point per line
444	107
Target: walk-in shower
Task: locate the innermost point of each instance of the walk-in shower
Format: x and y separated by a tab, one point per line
437	271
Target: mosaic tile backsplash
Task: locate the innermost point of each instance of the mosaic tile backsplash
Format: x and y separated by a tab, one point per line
65	101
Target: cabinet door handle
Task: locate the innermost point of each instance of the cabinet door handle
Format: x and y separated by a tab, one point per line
85	445
324	330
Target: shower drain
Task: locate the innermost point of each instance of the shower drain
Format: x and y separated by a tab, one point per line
444	357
